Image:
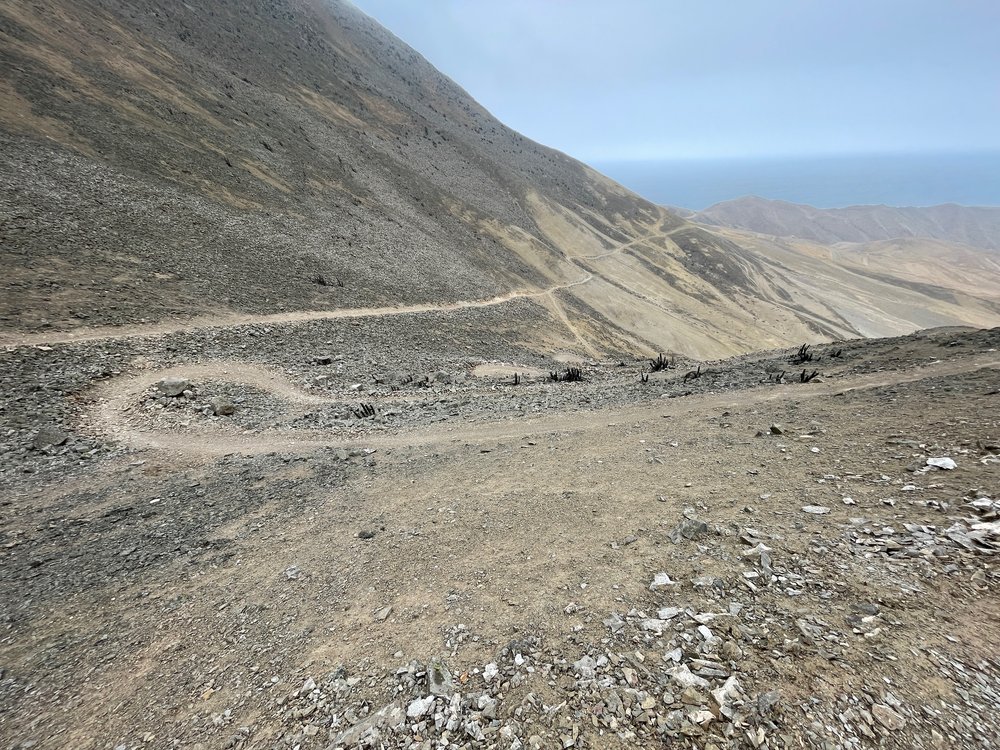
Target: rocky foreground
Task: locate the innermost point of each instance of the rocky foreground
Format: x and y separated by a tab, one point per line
279	539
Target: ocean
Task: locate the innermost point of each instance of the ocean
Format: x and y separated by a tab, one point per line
971	179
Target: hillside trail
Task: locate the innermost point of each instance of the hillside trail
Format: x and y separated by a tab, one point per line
109	414
557	307
632	243
142	330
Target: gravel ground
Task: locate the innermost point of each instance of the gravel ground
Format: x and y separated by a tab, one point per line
712	561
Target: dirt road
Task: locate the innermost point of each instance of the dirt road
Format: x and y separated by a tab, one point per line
119	397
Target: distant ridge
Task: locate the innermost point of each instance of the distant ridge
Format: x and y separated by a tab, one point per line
976	226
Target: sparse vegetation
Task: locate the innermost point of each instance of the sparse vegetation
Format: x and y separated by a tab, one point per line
802	356
569	375
660	363
364	411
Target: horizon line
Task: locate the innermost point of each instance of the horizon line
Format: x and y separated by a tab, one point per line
993	151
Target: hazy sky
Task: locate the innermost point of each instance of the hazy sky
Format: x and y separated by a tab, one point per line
640	79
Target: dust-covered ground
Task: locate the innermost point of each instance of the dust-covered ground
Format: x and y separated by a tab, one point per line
334	533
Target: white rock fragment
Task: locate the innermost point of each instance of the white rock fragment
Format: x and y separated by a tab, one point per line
818	510
419	707
661	580
586	667
944	462
887	717
675	655
685	678
701	717
727	693
490	671
653	625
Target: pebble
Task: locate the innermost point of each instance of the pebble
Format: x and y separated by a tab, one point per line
439	678
586	667
221	406
685	678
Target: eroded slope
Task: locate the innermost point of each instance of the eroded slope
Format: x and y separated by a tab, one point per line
173	163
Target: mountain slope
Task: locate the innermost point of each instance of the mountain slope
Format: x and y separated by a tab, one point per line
206	164
969	225
883	287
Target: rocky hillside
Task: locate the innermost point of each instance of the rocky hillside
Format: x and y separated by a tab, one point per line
172	165
969	225
304	445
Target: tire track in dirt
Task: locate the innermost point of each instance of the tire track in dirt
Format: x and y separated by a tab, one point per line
109	416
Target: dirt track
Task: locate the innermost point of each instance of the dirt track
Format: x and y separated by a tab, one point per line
121	395
224	320
298	316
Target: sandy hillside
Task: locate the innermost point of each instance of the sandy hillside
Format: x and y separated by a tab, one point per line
173	166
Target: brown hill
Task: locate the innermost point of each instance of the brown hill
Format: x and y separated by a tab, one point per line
968	225
179	165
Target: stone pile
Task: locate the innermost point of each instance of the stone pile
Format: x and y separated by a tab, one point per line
977	532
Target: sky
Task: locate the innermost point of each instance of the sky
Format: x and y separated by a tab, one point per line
623	80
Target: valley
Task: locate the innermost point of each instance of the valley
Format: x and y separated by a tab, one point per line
338	414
